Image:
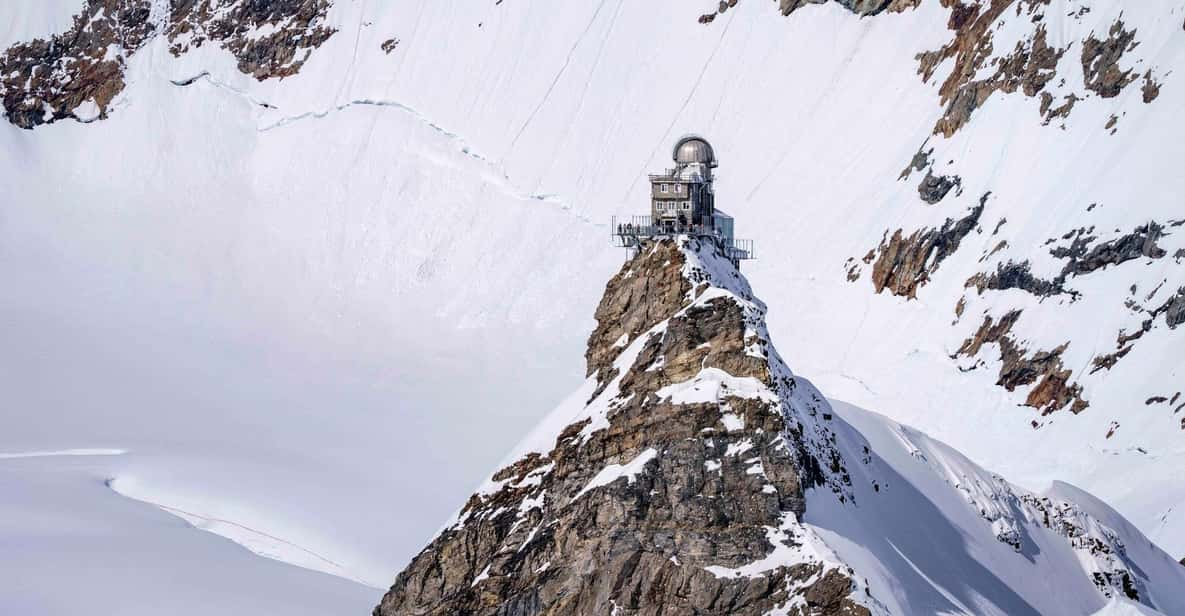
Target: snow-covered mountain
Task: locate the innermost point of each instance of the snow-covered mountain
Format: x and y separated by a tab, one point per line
693	472
276	251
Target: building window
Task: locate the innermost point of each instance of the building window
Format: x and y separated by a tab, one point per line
665	187
687	205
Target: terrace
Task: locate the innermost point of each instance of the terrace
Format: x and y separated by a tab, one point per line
630	232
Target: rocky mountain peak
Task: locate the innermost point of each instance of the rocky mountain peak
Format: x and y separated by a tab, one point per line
693	472
673	480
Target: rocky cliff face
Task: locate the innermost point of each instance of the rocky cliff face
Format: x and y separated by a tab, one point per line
78	73
673	482
693	473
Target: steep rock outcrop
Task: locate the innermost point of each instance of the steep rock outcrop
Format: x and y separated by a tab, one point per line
1174	310
269	39
672	489
1052	388
635	300
1083	255
1083	258
693	473
978	71
972	67
1012	275
78	73
1028	67
904	263
75	74
1100	61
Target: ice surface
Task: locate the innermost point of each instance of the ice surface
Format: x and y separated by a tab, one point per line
71	544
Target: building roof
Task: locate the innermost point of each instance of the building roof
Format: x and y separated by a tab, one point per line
693	149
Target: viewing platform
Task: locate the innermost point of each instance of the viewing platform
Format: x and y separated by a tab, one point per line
630	232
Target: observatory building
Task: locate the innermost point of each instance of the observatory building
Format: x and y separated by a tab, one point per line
682	202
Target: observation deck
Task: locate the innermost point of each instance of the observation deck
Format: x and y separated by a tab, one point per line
630	232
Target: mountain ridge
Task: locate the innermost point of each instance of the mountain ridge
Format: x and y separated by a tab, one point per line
675	312
694	473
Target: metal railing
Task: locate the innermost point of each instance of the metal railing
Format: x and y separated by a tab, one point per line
648	225
629	232
741	250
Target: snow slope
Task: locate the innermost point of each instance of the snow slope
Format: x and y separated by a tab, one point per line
72	546
939	534
288	311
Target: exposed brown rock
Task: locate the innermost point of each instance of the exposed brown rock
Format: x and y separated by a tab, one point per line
539	542
829	595
1053	390
709	335
636	299
906	263
45	81
1100	61
1108	361
1151	88
297	30
1028	68
900	6
1083	257
1049	112
389	45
